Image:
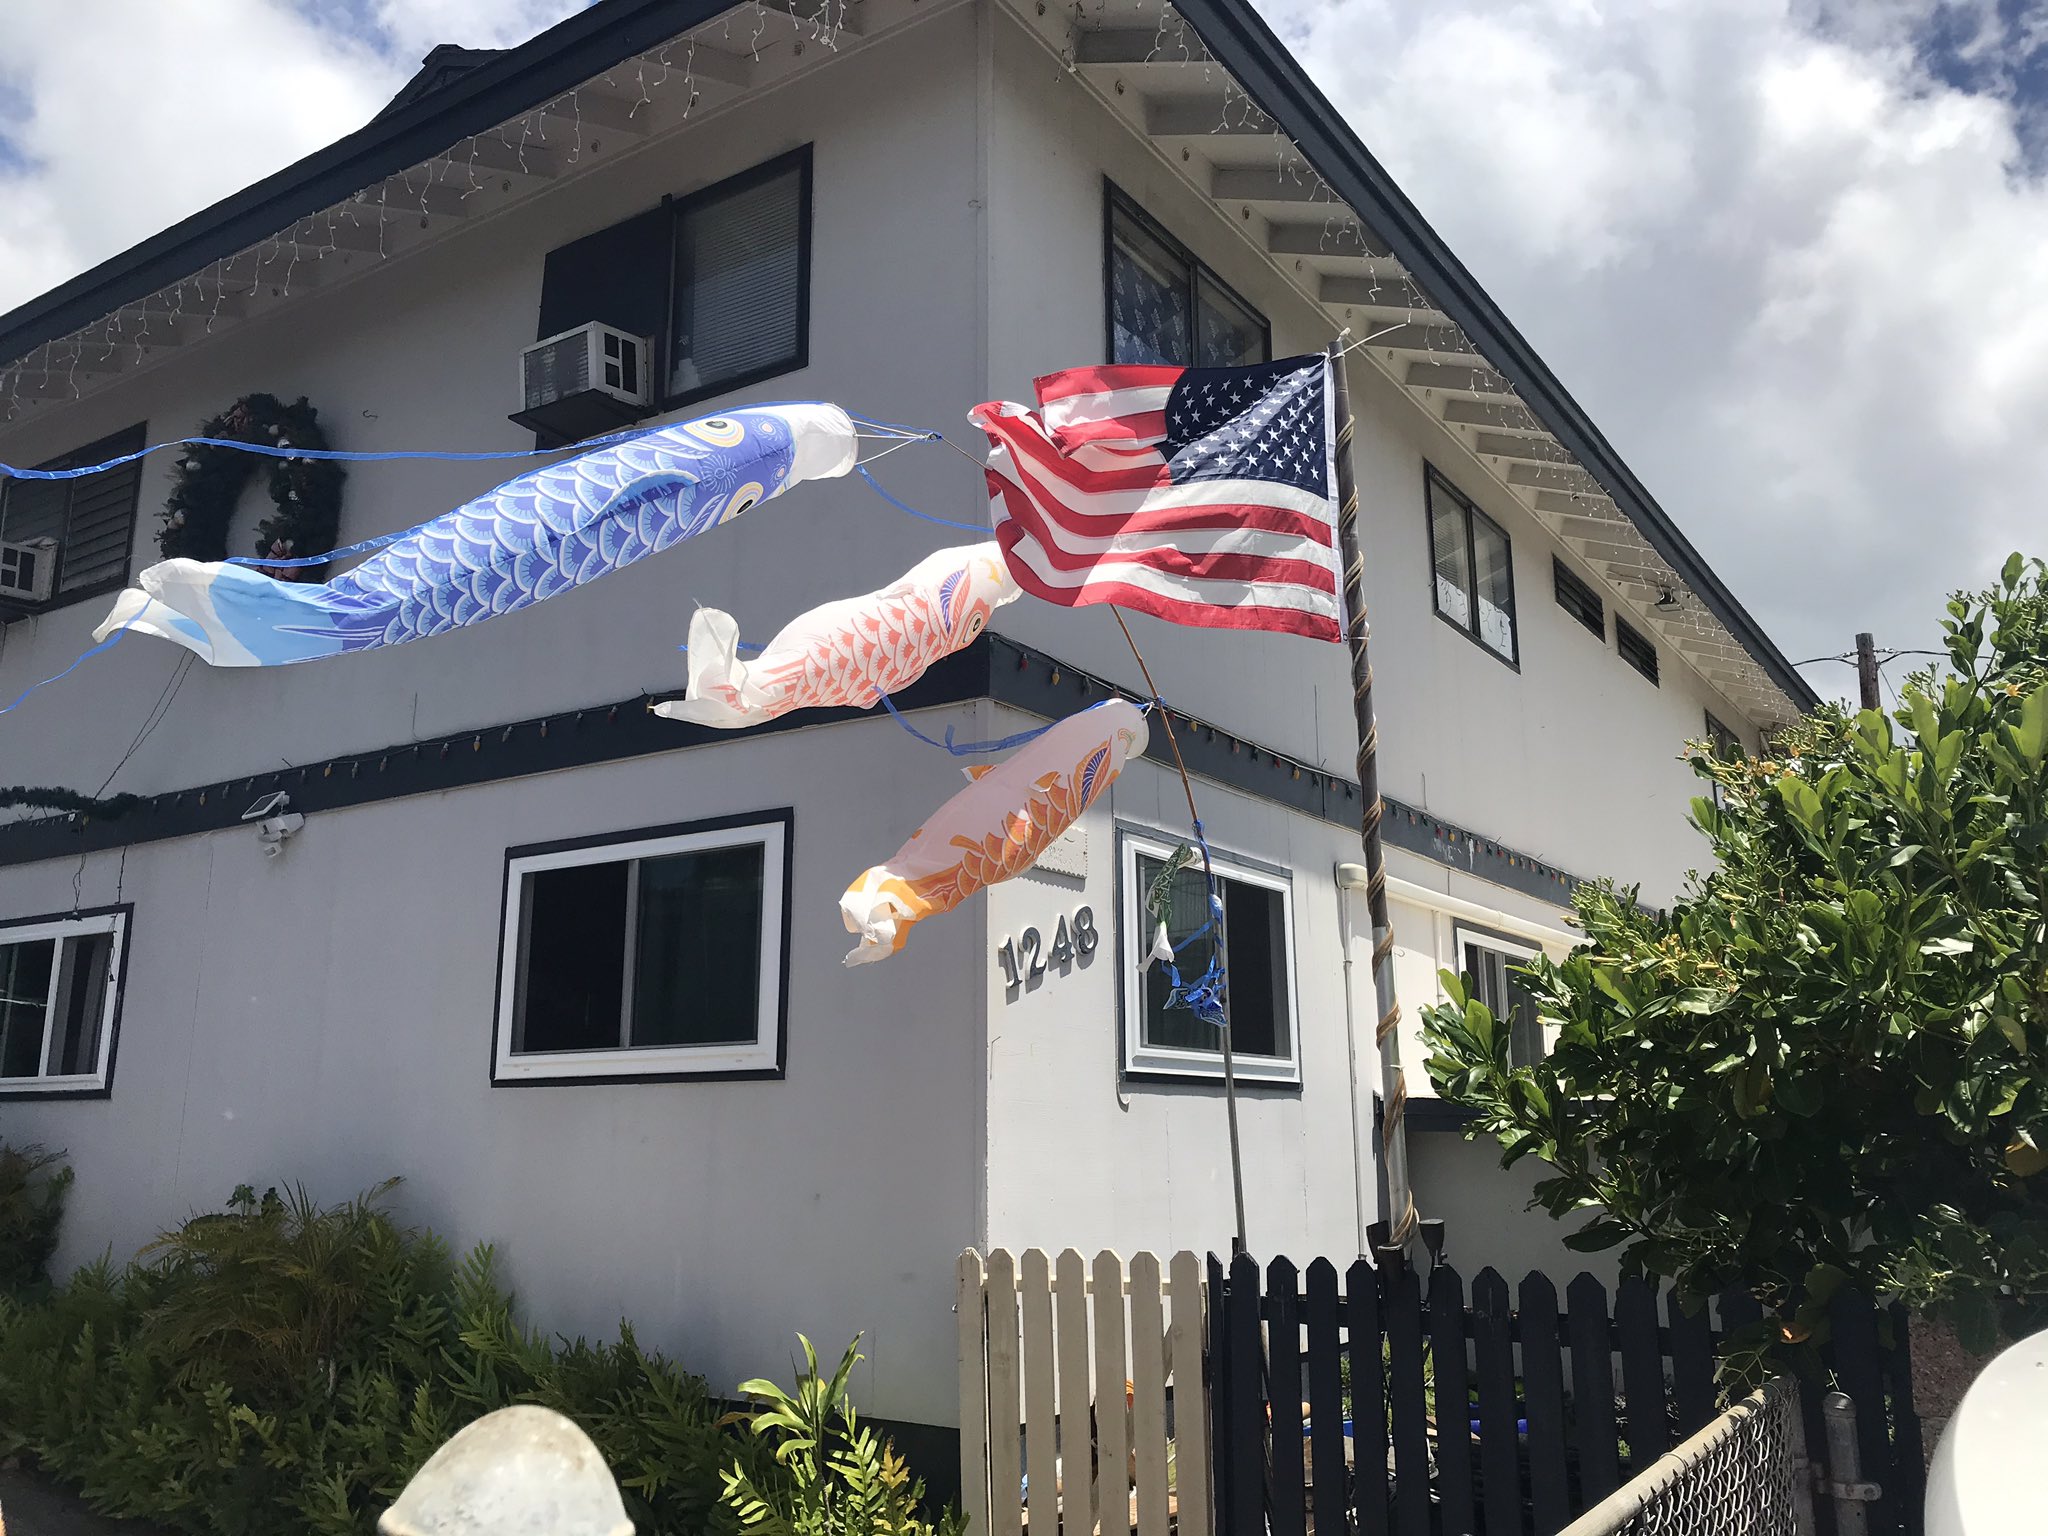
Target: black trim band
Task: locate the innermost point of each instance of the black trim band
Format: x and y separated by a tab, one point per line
993	667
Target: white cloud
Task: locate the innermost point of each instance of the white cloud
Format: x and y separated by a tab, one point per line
1800	281
123	117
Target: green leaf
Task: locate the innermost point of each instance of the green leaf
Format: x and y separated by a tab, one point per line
1596	1236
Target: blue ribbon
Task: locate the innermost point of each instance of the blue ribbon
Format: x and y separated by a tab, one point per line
904	506
959	749
274	451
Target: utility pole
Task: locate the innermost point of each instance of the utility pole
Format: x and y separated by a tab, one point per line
1866	670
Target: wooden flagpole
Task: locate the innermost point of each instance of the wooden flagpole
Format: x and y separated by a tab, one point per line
1393	1086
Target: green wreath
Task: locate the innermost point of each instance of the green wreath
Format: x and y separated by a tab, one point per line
210	479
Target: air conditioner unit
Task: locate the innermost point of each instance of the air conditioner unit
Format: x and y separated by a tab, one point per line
593	379
28	571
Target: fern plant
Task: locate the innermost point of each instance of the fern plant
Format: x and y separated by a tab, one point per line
32	1186
283	1367
839	1479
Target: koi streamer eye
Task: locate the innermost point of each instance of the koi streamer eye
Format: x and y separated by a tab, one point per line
718	431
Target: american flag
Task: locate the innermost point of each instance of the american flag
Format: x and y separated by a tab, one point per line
1200	495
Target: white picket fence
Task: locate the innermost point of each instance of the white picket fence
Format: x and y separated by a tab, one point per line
1067	1371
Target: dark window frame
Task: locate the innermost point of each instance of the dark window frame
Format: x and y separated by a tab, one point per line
112	445
776	919
1564	579
1645	663
1138	1062
679	208
13	1089
1434	480
1116	201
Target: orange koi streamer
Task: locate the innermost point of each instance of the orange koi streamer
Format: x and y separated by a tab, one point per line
994	828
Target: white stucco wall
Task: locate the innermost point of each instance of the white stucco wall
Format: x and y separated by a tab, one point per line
326	1018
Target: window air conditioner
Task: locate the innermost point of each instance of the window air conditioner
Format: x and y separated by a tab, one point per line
593	379
28	571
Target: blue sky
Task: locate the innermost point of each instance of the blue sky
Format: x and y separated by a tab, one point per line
1792	255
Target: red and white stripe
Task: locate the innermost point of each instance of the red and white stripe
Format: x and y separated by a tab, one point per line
1087	512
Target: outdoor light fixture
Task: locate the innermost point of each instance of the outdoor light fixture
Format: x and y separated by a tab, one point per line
1668	600
522	1471
1433	1239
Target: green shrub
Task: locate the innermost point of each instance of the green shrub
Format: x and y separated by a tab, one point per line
837	1478
32	1185
280	1367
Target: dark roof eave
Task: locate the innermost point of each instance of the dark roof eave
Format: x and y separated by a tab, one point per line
554	61
1242	42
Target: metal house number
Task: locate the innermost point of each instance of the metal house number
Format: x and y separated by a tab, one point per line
1026	957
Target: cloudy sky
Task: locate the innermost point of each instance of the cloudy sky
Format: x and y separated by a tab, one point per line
1792	255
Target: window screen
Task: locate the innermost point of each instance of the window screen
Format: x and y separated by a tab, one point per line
1473	569
648	955
1253	931
741	280
1166	307
57	993
1494	975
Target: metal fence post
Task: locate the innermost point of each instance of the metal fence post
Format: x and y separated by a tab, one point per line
1845	1482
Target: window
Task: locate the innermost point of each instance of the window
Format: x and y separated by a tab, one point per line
720	281
741	294
1578	599
1475	576
1635	648
1166	307
1491	967
659	954
91	520
1256	928
1725	743
60	992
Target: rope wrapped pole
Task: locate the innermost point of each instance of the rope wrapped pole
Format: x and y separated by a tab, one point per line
1393	1086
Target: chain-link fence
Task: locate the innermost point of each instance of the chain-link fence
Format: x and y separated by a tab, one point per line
1733	1478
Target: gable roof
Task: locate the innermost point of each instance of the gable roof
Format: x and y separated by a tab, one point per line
459	93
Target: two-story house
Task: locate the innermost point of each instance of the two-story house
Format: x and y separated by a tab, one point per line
712	1126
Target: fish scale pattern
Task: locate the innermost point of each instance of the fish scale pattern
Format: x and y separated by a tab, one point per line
558	527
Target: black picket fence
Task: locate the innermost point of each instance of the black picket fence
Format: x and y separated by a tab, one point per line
1558	1405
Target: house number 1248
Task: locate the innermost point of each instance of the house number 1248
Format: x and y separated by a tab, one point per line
1025	958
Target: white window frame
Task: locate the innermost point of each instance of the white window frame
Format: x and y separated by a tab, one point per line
1135	944
760	1057
98	1081
1513	949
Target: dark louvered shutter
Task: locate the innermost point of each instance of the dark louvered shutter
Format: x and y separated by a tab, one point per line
618	276
92	519
100	530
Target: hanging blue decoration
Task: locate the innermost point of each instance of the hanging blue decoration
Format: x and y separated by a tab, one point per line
533	537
